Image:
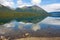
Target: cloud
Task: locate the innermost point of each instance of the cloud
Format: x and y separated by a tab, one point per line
20	3
51	7
8	3
36	2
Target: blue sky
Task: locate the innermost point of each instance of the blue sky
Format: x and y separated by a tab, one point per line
45	2
26	1
48	5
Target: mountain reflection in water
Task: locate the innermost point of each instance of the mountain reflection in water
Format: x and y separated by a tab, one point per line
50	26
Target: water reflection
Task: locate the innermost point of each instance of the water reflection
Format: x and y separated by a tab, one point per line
50	25
53	21
16	26
49	22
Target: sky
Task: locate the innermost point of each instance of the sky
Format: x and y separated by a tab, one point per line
48	5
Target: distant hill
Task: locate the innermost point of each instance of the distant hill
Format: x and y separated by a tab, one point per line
55	14
32	14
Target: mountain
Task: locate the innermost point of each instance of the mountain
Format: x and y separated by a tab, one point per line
37	11
32	14
6	14
5	9
55	14
34	9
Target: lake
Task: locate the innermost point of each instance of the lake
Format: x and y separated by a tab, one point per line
51	22
50	26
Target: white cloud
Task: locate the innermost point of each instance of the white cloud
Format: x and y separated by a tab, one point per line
8	3
20	3
51	7
36	2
